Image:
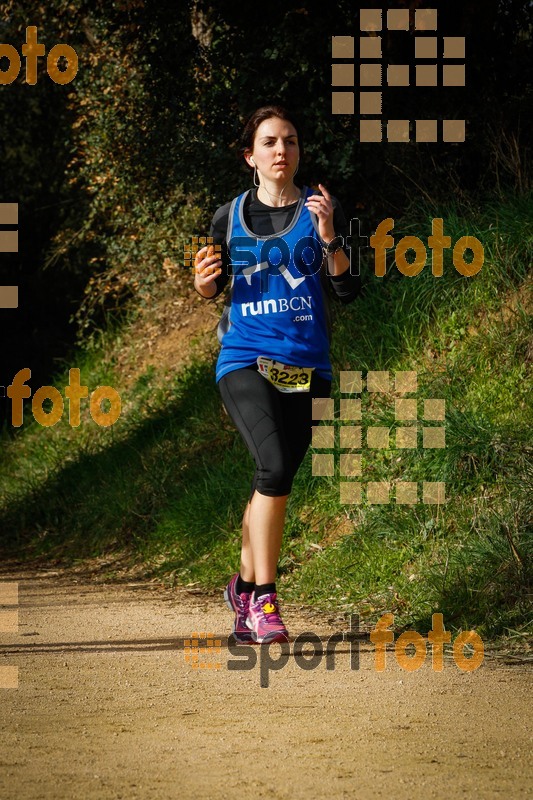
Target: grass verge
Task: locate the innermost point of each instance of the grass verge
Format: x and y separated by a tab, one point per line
168	481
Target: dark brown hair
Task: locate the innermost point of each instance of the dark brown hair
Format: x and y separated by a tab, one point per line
259	116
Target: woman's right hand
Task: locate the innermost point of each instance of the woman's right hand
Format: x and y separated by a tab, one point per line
207	268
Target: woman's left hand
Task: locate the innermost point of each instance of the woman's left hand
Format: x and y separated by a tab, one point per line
322	206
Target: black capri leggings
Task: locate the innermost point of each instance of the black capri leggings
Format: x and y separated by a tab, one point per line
275	426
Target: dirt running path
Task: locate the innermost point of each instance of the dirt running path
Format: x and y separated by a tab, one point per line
107	707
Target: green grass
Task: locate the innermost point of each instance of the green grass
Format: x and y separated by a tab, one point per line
169	480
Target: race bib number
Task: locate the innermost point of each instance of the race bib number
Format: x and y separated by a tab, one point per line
285	377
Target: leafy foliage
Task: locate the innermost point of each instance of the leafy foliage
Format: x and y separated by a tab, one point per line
148	130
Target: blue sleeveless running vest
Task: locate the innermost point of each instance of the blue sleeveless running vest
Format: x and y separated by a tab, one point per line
277	303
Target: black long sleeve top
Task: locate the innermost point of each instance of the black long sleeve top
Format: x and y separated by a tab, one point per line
266	220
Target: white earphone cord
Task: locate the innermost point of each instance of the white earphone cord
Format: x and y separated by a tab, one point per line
260	185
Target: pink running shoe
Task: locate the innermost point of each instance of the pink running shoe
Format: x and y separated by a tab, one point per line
239	604
264	620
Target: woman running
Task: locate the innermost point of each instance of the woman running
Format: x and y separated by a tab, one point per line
282	245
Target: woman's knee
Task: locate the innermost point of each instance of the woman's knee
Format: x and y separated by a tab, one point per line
275	480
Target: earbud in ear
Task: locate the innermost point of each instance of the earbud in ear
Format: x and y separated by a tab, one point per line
251	159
